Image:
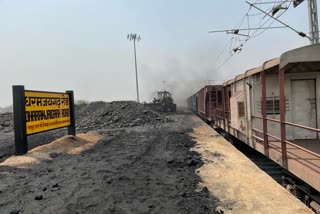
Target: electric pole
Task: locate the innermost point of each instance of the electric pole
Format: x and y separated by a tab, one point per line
134	37
313	21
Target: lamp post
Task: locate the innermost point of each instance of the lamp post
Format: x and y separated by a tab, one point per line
134	37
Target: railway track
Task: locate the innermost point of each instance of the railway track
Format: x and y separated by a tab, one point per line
265	164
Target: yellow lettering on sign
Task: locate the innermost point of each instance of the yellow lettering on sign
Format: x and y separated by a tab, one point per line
46	111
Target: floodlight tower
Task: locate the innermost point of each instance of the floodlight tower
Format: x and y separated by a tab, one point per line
134	37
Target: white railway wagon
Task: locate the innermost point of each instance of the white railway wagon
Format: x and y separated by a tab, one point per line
275	109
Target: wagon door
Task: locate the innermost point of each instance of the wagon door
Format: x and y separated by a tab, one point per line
213	103
207	103
304	107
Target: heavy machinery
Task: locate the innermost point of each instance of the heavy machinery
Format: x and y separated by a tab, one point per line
164	102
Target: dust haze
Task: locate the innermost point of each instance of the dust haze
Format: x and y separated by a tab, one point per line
183	75
198	66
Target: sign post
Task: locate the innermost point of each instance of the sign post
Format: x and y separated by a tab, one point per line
19	119
72	127
40	111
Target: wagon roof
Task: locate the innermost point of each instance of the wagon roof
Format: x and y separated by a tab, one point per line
266	65
310	53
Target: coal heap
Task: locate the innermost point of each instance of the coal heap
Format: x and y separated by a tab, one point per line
6	122
118	114
98	115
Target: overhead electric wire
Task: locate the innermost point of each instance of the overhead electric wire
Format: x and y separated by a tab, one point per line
288	26
269	26
260	15
248	22
274	6
254	14
236	38
273	2
222	64
246	29
253	35
240	23
223	50
256	29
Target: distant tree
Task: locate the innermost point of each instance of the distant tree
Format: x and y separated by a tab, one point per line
81	102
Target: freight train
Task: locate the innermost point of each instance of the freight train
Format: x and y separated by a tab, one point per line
275	109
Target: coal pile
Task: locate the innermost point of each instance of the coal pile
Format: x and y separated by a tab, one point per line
98	115
118	114
6	122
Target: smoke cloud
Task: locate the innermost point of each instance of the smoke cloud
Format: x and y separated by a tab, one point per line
183	75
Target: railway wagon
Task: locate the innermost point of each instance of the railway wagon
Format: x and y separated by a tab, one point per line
192	103
275	109
205	102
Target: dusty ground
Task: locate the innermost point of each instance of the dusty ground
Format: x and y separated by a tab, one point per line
131	170
7	147
89	117
177	167
238	183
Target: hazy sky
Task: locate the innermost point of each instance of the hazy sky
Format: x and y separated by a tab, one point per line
81	45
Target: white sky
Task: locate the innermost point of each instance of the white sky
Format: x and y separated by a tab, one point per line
81	45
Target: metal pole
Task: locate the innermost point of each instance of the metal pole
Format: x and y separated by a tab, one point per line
19	118
135	61
72	127
313	21
264	111
282	120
